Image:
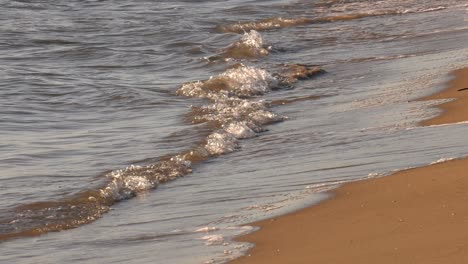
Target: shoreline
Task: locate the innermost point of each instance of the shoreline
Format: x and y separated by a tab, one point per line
411	216
454	111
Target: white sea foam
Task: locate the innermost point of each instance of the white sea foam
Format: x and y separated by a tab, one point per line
242	81
264	117
244	228
252	39
244	114
211	240
373	175
248	81
240	130
221	142
237	116
192	89
207	229
449	124
124	186
128	182
250	45
442	160
178	159
434	9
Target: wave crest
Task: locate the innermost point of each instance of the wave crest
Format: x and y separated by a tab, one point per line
243	81
235	114
264	24
280	22
250	45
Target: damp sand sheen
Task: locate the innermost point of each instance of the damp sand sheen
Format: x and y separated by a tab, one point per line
162	132
414	216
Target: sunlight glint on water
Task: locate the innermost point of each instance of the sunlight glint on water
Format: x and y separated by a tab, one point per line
149	132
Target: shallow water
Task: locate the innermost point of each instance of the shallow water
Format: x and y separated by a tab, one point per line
149	132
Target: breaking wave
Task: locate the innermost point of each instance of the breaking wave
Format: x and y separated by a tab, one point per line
241	81
235	113
250	45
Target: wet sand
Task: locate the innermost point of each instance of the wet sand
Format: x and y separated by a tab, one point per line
457	110
414	216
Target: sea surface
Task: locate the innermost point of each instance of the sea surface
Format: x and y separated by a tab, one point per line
156	131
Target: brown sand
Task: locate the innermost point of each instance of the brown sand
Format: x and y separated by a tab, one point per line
414	216
455	111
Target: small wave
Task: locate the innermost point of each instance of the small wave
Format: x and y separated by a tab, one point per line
250	45
232	108
265	24
242	81
290	73
221	142
440	125
277	23
442	160
294	99
424	10
280	22
246	81
211	240
379	58
240	130
206	229
232	111
87	206
235	114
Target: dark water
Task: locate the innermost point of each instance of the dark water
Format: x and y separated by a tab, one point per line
150	131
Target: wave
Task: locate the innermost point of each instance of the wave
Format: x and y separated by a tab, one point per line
89	205
290	73
280	22
250	45
240	81
234	112
264	24
294	100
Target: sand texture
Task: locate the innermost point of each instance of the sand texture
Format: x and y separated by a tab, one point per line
457	110
414	216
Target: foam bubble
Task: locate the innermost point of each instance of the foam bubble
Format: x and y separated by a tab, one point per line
231	111
207	229
264	117
250	45
221	142
192	89
374	175
245	228
240	130
248	81
252	39
442	160
128	182
230	107
243	81
227	110
124	186
211	240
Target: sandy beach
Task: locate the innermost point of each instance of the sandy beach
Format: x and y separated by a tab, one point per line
456	110
413	216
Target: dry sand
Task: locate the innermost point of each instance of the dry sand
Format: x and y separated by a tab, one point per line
414	216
